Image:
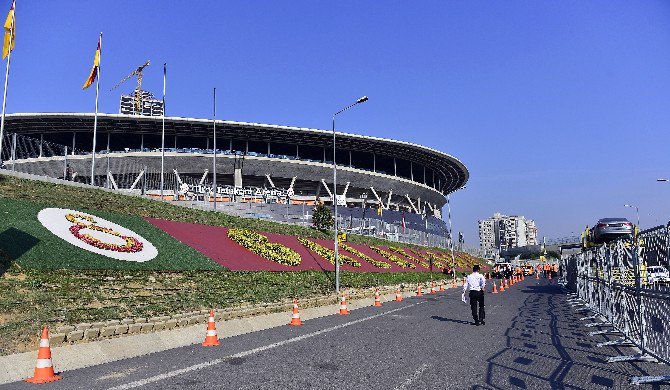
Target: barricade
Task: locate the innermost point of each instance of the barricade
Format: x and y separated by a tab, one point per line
610	282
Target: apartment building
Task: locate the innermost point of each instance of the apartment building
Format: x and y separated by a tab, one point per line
503	232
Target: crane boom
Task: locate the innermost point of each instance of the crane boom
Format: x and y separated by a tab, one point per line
137	72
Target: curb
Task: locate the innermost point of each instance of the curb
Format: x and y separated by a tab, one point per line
67	357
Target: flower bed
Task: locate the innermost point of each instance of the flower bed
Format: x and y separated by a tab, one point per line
132	244
376	263
429	257
402	263
328	254
258	244
402	252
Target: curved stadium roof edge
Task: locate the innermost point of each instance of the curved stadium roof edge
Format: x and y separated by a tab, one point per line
422	148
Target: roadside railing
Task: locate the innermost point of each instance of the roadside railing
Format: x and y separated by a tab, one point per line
611	283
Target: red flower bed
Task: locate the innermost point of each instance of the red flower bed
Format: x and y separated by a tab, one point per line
213	242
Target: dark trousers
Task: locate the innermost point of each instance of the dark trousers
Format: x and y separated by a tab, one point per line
477	298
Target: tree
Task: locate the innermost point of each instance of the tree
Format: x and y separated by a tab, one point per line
322	219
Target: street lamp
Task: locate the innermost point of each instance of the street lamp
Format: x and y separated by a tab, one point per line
637	213
337	260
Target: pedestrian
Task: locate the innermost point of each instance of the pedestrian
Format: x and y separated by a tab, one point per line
476	283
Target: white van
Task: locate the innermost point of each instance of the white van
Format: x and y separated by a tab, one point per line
657	273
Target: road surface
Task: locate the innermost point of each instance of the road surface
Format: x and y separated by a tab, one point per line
532	340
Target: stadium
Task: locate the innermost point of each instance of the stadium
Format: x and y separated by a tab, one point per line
395	181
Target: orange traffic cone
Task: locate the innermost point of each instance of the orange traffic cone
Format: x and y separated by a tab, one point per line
454	284
523	277
211	339
343	305
378	302
441	288
495	290
295	318
506	284
418	291
44	371
398	296
432	287
502	287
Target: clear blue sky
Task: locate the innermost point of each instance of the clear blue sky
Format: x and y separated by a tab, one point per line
559	109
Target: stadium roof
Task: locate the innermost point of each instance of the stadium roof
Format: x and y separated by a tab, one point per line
453	171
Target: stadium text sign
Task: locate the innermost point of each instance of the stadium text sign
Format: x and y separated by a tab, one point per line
97	235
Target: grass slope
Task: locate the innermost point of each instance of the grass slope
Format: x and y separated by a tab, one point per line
32	296
23	238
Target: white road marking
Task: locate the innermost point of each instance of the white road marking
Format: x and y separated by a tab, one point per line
412	377
214	362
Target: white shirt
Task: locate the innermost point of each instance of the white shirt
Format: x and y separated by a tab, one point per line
475	282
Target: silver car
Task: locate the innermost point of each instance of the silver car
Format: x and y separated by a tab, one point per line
608	229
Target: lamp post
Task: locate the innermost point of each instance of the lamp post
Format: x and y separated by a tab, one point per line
637	213
337	260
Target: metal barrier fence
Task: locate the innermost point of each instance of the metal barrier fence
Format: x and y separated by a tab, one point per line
612	282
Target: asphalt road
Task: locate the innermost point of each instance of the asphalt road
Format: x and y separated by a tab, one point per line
532	340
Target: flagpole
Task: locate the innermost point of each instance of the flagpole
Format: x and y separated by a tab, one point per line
214	167
95	119
451	241
163	135
4	95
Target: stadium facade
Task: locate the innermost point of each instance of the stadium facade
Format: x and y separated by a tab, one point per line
255	162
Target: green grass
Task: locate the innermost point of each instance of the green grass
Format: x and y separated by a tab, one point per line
23	238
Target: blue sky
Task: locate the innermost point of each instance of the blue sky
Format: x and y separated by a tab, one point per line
560	109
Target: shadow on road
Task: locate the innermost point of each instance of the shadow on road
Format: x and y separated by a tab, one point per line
548	347
451	320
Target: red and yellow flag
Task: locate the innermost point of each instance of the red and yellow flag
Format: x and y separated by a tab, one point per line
10	32
94	72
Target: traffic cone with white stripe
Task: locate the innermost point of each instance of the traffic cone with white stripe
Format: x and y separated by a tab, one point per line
418	290
432	287
502	287
44	371
398	295
537	276
454	284
295	318
378	302
495	290
343	305
441	286
211	339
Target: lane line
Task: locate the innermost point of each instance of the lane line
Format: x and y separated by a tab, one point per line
214	362
410	379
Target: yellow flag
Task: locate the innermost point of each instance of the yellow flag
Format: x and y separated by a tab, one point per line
10	32
94	72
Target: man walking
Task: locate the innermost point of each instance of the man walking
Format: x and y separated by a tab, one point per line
476	283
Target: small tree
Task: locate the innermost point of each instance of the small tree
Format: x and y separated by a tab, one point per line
322	219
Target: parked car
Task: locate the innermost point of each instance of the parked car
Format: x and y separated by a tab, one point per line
608	229
657	274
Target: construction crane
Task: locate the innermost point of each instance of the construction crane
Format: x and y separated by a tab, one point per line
138	91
